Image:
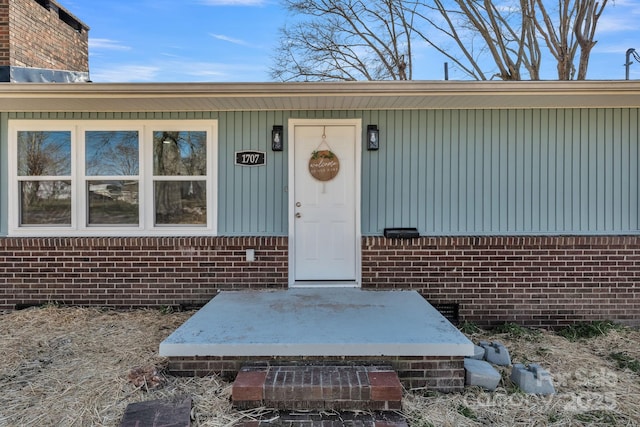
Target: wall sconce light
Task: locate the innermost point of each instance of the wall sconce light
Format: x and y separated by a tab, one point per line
373	137
277	138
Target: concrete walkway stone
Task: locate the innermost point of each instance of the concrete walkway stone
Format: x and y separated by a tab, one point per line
478	352
496	353
481	373
532	379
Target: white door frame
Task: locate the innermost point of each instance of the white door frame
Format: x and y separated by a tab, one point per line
357	124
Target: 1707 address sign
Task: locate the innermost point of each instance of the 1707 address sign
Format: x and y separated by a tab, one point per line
251	158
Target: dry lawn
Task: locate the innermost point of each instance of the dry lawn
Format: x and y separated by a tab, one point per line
71	367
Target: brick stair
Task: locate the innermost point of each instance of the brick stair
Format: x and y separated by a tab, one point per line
322	388
336	419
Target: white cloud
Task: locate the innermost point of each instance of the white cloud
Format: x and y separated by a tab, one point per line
229	39
209	74
619	17
125	73
616	24
210	69
107	44
217	71
625	3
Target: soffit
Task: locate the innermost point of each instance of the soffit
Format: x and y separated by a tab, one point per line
391	95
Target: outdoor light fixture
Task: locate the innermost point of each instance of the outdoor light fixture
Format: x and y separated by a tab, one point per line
373	137
277	134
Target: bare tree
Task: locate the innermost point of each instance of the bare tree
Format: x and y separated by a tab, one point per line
573	29
167	161
485	39
112	153
485	35
42	154
180	154
345	40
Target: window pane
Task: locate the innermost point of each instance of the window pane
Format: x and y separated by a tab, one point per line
113	202
179	153
43	153
45	202
111	153
182	202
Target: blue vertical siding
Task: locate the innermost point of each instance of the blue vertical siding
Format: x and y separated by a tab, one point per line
252	200
505	172
446	172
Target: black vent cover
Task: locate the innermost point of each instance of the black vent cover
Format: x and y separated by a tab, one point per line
449	311
401	233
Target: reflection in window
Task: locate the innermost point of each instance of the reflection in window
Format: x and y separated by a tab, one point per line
42	153
180	202
45	202
113	203
111	176
111	153
179	153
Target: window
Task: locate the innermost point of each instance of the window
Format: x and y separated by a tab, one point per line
111	163
44	177
112	178
179	172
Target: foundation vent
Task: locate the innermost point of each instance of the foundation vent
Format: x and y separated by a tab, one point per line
449	311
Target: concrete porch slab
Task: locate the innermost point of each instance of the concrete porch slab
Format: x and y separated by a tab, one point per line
317	322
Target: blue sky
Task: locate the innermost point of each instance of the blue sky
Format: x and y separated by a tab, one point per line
233	40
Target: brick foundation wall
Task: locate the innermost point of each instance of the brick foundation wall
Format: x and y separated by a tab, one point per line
545	281
535	281
136	271
31	22
441	373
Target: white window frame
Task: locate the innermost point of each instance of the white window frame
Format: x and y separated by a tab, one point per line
79	200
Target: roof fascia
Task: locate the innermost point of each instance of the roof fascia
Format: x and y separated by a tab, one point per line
247	96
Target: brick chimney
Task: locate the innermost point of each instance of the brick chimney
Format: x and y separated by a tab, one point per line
40	41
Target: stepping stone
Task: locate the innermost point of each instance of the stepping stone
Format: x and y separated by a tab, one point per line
478	352
532	379
496	353
481	373
339	388
175	413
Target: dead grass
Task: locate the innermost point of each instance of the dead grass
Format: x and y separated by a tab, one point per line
71	366
592	389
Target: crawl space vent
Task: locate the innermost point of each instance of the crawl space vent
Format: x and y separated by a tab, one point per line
449	311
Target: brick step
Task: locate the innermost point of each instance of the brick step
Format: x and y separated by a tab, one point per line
327	419
339	388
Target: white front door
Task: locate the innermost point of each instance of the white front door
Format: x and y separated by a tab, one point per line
324	227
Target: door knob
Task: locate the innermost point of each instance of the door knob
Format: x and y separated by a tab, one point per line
298	215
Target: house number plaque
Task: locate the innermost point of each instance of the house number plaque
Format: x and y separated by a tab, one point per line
251	158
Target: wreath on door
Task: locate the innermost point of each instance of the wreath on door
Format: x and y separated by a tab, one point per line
324	165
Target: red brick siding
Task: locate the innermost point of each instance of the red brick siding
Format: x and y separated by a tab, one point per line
29	26
537	281
313	387
442	373
132	272
4	33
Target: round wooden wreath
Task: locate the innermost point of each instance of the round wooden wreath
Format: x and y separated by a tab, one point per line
324	165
